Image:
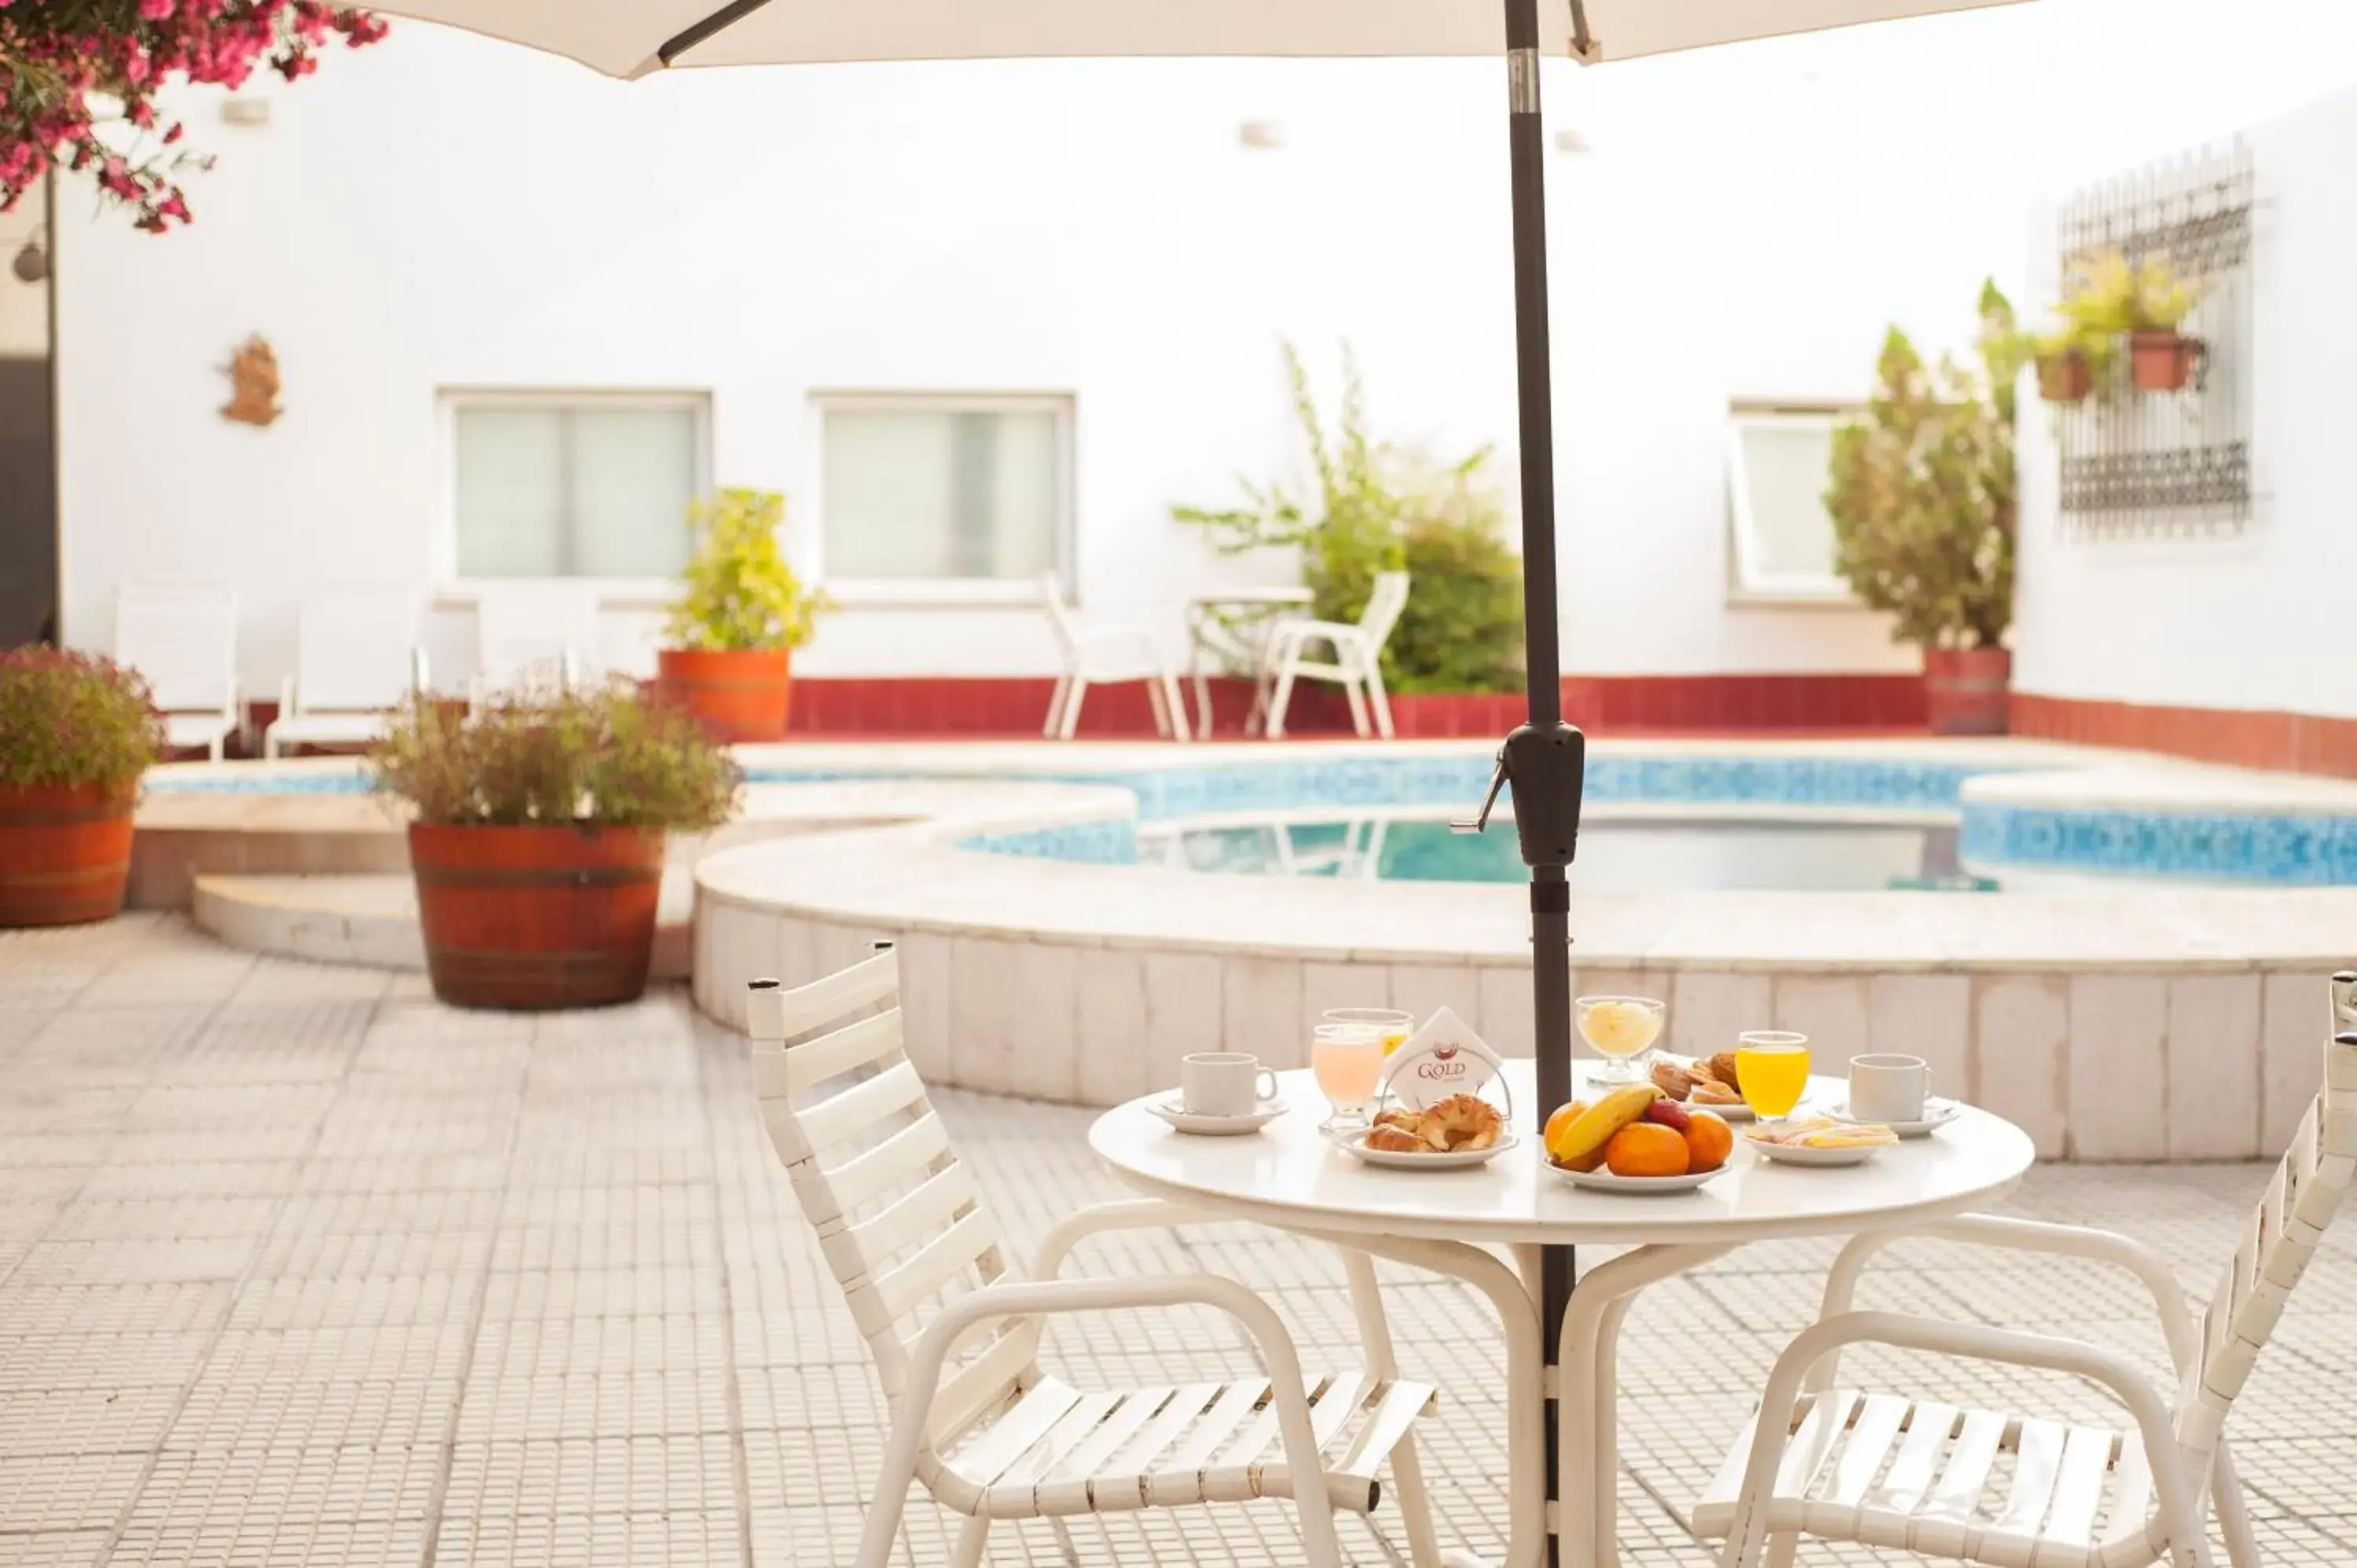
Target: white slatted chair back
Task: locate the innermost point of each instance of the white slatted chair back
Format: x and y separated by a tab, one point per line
536	634
1060	616
898	1218
2278	1239
1385	600
183	640
356	648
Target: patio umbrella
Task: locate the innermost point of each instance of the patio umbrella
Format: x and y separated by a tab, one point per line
1543	759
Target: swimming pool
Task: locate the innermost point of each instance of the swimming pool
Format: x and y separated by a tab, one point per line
1617	854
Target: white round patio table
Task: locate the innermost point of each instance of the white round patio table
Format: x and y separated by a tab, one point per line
1289	1177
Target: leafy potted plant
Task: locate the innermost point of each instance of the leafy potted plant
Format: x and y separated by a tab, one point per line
2107	301
2161	357
2065	371
729	642
1922	496
538	847
76	732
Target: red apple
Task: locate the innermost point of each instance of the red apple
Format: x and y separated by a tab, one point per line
1669	1113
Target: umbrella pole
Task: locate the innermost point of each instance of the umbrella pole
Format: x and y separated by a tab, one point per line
1544	759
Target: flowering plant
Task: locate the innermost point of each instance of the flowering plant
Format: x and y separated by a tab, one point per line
73	718
62	60
737	592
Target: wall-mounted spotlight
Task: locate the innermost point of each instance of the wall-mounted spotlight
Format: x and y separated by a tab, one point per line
32	262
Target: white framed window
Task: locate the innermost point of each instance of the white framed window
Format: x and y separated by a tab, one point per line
556	484
1780	538
943	496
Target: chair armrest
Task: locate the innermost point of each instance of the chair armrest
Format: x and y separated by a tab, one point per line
287	696
2029	1236
1137	1214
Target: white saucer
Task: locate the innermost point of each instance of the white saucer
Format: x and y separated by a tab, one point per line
1166	1106
1605	1181
1739	1112
1801	1154
1937	1113
1355	1143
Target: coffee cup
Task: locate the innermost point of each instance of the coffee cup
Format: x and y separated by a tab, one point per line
1884	1086
1224	1083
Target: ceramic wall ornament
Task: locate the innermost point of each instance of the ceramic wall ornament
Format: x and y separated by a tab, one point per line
252	372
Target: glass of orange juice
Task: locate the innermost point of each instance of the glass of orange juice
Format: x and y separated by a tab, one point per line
1395	1025
1347	1061
1622	1028
1772	1069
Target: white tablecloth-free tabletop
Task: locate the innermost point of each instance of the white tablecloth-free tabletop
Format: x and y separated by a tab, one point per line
1289	1176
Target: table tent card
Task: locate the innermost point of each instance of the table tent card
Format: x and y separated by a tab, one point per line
1444	1057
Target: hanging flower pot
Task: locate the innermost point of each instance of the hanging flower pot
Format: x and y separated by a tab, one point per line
2065	377
2162	358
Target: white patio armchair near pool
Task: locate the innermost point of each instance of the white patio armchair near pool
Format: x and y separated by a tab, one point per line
535	634
955	1328
1887	1470
356	660
1107	656
182	639
1355	663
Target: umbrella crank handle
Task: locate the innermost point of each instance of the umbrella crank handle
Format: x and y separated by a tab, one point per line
1480	822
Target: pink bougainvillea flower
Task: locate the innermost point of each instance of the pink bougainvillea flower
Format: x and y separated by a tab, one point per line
57	55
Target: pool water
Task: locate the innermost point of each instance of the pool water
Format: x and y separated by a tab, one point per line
1615	856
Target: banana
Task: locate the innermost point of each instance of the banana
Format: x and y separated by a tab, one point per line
1584	1137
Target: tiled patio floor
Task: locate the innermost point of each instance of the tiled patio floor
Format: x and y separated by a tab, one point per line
296	1267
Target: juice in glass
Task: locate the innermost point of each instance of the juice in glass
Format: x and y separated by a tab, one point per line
1772	1069
1394	1025
1347	1060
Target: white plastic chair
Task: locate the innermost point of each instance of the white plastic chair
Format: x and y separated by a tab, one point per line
535	634
955	1329
1107	656
2080	1496
1356	666
183	638
356	660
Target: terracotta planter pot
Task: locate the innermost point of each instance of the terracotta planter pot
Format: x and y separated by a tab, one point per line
528	918
1968	690
2064	378
739	696
2162	360
65	853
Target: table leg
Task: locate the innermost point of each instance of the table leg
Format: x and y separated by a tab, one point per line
1526	1534
1587	1365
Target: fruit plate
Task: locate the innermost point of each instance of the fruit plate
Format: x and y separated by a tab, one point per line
1355	1143
1605	1181
1185	1121
1802	1154
1937	1113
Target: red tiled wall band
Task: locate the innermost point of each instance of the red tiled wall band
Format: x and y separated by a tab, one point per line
2305	742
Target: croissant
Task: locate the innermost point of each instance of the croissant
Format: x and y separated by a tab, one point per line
1392	1138
1463	1122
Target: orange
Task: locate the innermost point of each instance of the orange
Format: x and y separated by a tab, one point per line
1709	1141
1565	1115
1646	1149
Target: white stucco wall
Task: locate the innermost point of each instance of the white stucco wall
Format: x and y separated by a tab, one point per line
445	212
2255	621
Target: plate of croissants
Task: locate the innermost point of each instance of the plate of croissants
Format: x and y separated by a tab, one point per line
1462	1130
1706	1083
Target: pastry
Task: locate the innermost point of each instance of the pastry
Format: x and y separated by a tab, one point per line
1673	1080
1463	1122
1722	1068
1394	1139
1710	1091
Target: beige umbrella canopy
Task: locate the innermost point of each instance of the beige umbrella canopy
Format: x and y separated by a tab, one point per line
630	37
1544	759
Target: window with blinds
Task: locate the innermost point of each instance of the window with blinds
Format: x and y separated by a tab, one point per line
574	486
944	489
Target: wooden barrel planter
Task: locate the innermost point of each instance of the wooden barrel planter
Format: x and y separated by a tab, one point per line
740	695
529	919
65	854
1968	691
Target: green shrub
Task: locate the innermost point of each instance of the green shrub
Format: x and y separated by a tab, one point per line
1385	508
739	594
1921	489
592	758
74	719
